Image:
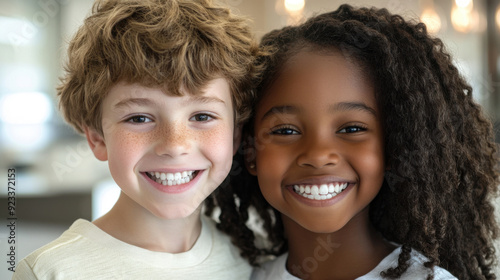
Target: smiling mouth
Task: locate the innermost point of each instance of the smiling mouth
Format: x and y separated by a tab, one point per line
172	179
320	192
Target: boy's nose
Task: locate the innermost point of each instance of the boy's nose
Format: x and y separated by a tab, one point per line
173	140
318	153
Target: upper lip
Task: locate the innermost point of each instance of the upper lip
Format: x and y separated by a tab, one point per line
171	170
318	180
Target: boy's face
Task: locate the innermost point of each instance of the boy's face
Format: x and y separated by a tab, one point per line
166	153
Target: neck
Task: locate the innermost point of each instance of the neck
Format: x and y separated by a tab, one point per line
351	252
131	223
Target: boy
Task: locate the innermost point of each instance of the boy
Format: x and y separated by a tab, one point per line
159	88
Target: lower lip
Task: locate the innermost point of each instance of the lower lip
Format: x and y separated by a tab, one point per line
174	189
321	203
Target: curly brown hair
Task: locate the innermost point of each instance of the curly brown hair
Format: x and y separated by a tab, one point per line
437	196
158	43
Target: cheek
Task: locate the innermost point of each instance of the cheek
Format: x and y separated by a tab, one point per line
217	146
371	163
125	151
271	166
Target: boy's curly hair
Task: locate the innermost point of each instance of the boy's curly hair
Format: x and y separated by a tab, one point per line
437	196
157	43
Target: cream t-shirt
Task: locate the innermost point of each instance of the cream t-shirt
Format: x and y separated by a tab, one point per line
86	252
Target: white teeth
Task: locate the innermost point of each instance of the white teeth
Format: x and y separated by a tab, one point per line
171	179
324	191
314	190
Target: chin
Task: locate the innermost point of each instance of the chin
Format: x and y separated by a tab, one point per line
322	227
178	212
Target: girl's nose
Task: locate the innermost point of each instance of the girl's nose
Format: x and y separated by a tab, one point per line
318	153
173	140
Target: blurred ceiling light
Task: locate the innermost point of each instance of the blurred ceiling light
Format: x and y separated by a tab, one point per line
497	17
431	20
464	4
465	20
25	108
460	18
293	6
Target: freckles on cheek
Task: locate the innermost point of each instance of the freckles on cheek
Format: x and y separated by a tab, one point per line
125	145
219	139
217	144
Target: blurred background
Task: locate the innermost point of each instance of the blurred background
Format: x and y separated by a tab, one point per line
58	178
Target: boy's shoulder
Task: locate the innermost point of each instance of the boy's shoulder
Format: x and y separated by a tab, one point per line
65	251
59	247
86	252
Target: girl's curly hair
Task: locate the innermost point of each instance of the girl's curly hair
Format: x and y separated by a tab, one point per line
437	196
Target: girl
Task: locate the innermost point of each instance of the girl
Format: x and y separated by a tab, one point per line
371	153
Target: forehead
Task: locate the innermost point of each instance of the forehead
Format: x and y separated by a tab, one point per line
217	88
332	64
324	77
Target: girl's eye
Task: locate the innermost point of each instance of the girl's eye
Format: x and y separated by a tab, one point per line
284	131
139	119
201	118
352	129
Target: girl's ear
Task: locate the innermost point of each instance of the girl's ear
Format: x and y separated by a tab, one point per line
96	143
249	154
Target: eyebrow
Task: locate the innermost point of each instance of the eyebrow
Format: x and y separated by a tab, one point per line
133	101
348	106
276	110
342	106
148	102
205	99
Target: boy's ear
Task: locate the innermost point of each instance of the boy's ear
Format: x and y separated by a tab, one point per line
96	143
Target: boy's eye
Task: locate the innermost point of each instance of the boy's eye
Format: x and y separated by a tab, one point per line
284	131
201	118
139	119
352	129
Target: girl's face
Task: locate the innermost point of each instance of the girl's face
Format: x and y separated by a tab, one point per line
318	142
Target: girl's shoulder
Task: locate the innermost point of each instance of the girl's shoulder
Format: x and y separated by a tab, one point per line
416	270
275	269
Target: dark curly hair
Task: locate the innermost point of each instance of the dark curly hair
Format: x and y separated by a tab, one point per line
437	196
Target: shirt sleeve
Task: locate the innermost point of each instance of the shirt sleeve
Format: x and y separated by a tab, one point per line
24	272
